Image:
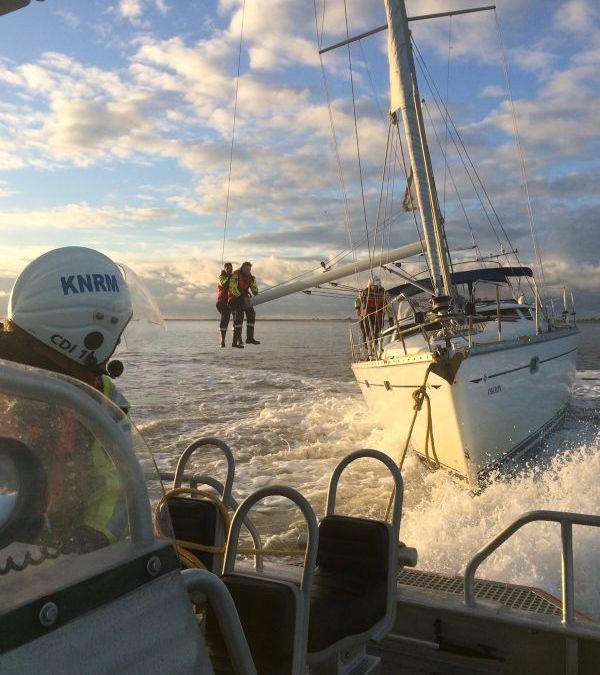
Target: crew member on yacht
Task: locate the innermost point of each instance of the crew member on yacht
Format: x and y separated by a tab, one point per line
222	294
242	286
66	313
373	305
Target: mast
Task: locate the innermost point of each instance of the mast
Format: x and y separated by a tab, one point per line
404	98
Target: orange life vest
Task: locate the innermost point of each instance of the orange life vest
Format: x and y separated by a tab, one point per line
374	299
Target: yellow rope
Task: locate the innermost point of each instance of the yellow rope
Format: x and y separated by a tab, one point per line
419	395
185	548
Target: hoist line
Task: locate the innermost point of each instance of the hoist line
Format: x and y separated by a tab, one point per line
235	103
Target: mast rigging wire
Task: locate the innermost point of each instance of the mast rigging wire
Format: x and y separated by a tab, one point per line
455	136
347	217
448	170
520	152
362	188
237	84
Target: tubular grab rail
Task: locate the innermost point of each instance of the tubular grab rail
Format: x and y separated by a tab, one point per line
218	443
180	476
566	520
392	468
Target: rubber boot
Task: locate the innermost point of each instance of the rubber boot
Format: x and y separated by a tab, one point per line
237	338
250	336
223	334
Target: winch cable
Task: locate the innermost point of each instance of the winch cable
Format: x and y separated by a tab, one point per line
235	104
433	464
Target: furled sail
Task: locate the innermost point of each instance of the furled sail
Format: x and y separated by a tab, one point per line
410	202
397	53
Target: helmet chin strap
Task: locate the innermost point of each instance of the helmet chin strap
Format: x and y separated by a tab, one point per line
88	373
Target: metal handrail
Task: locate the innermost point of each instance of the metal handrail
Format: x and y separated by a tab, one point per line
392	468
180	476
310	556
223	447
566	520
228	619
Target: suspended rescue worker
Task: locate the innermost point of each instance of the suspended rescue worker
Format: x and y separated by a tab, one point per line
242	286
222	297
373	305
66	313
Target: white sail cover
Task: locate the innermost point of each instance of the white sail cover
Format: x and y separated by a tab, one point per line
397	51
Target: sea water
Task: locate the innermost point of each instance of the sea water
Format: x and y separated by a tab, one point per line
290	410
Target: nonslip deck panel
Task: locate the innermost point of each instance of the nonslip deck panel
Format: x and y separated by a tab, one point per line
510	595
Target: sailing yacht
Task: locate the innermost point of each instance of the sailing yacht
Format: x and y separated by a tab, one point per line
494	368
476	365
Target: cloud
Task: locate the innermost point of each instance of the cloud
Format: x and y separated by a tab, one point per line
130	9
165	111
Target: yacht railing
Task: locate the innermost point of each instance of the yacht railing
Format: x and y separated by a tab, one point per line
566	520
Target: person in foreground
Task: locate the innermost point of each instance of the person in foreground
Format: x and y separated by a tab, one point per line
222	296
241	288
66	314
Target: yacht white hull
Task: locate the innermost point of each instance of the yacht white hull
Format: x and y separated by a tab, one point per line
504	397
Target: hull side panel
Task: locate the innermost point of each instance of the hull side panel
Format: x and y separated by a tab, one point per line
500	402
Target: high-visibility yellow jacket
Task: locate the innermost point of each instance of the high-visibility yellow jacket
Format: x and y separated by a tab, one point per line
241	284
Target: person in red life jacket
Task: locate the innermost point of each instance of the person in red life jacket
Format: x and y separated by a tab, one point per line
374	306
66	314
242	286
222	297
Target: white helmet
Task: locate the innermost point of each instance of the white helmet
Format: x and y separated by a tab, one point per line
376	280
74	300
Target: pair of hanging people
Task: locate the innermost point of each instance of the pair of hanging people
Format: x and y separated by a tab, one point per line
234	290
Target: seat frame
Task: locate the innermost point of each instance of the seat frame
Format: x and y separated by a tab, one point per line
349	653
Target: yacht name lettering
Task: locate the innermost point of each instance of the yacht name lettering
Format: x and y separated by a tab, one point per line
89	283
494	390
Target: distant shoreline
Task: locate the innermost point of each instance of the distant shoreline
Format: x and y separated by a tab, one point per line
261	319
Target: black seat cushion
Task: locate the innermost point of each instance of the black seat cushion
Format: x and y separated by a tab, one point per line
349	593
267	611
195	520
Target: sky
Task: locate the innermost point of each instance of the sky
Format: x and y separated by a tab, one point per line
117	120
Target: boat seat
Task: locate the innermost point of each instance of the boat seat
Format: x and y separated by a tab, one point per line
349	591
353	597
269	614
273	611
200	518
195	520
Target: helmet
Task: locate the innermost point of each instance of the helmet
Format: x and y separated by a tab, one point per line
74	300
376	280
